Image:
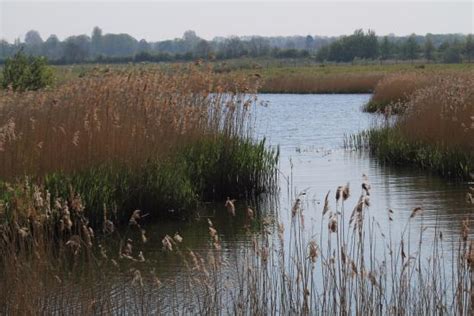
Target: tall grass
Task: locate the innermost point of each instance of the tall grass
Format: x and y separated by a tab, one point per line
394	90
351	267
342	83
436	131
162	138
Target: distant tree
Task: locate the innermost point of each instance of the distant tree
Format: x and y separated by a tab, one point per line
22	73
233	48
96	41
322	54
190	40
52	47
385	48
309	43
143	46
428	48
33	38
203	49
370	46
452	54
469	48
33	43
5	49
410	48
258	46
118	45
74	52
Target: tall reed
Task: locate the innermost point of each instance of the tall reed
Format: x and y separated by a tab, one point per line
335	83
157	138
394	90
351	267
436	130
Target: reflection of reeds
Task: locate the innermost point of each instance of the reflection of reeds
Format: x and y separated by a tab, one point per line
356	268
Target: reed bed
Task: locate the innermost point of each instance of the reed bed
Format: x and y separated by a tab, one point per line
351	267
336	83
394	90
435	132
160	138
126	116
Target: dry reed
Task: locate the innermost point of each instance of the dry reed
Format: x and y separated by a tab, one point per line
354	268
128	116
351	83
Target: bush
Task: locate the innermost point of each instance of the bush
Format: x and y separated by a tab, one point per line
23	72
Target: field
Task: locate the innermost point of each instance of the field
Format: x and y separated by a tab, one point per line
294	76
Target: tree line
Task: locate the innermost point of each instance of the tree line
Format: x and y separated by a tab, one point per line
110	48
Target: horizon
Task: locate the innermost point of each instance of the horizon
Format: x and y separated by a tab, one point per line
158	20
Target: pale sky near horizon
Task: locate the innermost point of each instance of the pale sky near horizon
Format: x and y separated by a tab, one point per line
159	20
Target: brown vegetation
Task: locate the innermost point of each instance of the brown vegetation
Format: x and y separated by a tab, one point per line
395	89
435	130
336	83
354	267
442	113
127	116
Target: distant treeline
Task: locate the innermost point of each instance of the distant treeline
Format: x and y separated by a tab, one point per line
119	48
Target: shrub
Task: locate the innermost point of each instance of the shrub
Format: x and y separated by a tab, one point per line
23	72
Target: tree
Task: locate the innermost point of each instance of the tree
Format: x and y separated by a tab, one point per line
22	73
385	48
190	40
309	43
203	49
75	50
452	54
96	41
469	48
52	47
143	46
118	45
33	42
322	54
33	38
410	48
428	48
233	48
258	46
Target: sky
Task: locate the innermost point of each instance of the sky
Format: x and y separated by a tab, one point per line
158	20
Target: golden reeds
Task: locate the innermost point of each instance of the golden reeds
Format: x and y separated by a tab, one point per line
126	116
336	83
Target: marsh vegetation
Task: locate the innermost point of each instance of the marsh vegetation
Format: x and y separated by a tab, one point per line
87	166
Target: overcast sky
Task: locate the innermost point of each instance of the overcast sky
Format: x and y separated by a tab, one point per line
158	20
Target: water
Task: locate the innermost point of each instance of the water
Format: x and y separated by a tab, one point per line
309	130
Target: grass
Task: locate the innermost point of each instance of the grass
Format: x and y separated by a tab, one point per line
395	90
157	138
351	267
292	76
207	170
436	130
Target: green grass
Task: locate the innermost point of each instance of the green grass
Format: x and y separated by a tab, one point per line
389	145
